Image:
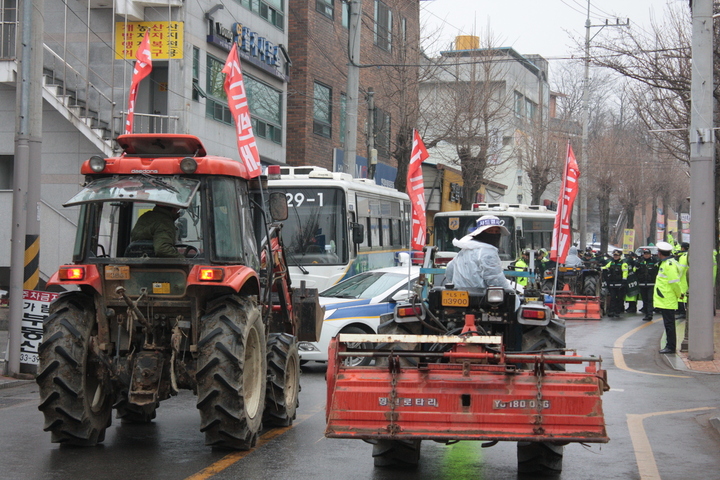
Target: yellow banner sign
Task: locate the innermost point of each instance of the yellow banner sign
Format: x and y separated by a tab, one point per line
628	240
166	39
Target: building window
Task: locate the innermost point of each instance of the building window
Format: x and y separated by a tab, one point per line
345	15
382	132
403	29
196	74
270	10
265	104
530	108
325	7
216	104
383	25
343	113
322	110
519	100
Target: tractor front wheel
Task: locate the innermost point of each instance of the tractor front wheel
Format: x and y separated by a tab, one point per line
232	373
75	388
539	458
396	453
283	386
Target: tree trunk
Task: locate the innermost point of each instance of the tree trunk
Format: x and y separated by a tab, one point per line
653	222
604	211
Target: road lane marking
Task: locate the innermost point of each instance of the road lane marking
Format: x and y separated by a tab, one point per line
641	444
234	457
619	358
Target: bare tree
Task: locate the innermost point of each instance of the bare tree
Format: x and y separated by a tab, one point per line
467	108
541	155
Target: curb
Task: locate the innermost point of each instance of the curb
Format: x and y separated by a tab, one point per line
715	423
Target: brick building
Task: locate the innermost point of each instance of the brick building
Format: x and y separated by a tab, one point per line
318	46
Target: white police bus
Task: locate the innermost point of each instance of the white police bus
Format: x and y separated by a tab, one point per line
338	225
530	226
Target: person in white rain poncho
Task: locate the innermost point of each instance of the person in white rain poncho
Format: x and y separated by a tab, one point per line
478	265
572	259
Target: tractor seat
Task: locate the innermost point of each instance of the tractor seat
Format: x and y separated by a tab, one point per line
140	248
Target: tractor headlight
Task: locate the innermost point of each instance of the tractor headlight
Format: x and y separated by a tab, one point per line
97	163
188	165
495	295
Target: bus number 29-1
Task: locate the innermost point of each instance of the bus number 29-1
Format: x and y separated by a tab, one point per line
297	199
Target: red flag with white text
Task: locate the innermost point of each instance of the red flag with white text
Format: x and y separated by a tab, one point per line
416	191
562	235
143	66
238	103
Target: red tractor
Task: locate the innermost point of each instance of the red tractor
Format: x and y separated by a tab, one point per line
465	364
218	317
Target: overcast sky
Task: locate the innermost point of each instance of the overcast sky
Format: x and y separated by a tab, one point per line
543	27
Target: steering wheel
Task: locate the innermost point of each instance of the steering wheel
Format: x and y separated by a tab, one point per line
190	251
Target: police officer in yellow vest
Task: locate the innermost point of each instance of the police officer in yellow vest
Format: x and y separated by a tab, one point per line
616	272
667	292
683	266
521	265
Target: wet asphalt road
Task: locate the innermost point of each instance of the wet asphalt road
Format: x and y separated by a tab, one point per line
657	419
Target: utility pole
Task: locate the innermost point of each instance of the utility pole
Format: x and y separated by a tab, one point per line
702	184
372	153
353	86
25	242
584	159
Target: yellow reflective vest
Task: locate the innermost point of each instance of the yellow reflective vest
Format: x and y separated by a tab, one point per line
667	285
521	266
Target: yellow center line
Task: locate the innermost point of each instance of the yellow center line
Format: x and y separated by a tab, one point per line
619	358
235	457
641	444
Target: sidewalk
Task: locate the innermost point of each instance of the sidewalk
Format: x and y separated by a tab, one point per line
6	382
682	362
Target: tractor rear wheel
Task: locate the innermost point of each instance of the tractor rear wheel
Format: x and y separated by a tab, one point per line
541	458
396	453
591	285
232	373
549	337
283	386
75	389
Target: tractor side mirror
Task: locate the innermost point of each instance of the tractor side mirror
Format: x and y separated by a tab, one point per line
358	233
278	206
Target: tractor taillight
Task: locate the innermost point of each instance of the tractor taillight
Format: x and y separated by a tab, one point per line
409	311
536	314
211	274
71	273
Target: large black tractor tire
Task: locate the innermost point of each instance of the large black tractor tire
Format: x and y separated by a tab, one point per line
75	388
591	286
539	458
356	361
232	373
396	453
547	285
283	386
549	337
130	413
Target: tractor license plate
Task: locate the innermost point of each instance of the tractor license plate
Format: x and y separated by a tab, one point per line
161	288
452	298
117	272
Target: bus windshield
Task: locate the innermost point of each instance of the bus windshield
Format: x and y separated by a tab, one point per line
315	231
448	228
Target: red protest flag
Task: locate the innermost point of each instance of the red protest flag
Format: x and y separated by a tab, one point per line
562	235
143	66
416	191
237	101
